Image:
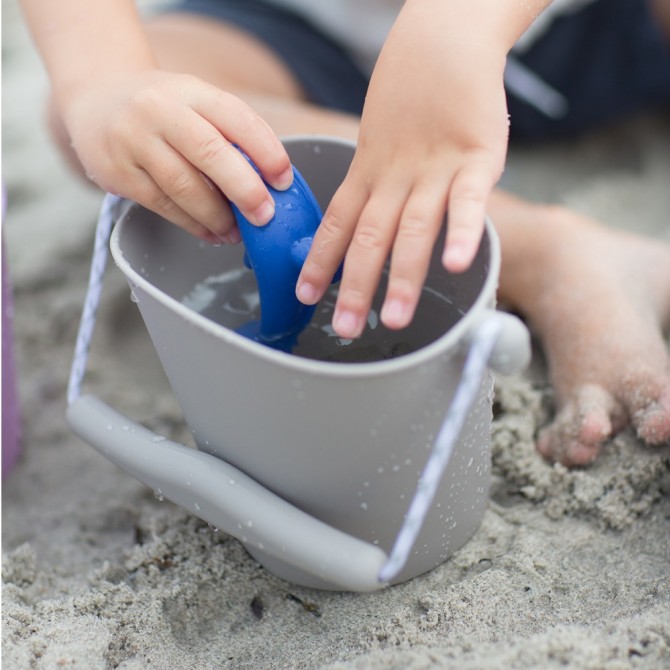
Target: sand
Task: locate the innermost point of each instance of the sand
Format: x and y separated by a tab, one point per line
569	569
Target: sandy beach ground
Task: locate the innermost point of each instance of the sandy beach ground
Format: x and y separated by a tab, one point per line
569	568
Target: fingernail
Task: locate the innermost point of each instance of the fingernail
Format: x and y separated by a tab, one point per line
396	314
264	213
214	239
306	293
284	180
232	237
455	257
347	324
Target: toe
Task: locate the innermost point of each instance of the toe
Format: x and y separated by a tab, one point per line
652	418
586	419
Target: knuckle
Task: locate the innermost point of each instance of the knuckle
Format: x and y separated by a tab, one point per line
250	196
353	298
252	124
142	104
332	225
468	190
162	203
182	186
414	227
369	236
210	148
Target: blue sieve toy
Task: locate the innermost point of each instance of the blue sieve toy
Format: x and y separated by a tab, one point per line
276	253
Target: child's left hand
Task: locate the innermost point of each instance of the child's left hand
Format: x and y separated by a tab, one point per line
433	137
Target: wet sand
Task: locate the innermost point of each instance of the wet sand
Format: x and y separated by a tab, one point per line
568	569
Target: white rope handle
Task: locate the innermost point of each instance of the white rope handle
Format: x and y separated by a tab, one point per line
468	388
533	90
108	213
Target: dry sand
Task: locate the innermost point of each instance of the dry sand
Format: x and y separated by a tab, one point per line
569	568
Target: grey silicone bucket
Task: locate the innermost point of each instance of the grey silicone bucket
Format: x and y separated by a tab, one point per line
311	464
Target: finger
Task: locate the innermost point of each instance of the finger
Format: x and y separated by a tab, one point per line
251	133
420	223
144	190
330	242
191	190
466	206
203	145
365	259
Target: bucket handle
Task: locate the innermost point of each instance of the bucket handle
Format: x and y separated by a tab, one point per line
231	500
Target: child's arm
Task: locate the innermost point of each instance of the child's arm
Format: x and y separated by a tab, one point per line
433	136
151	135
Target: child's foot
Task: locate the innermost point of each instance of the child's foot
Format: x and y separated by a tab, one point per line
599	299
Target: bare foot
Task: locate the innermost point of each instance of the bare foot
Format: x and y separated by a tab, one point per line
599	299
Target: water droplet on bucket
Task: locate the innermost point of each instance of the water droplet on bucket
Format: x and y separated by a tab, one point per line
158	494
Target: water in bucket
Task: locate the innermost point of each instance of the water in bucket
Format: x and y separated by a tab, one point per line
231	298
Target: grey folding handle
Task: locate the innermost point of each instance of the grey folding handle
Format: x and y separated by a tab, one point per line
224	496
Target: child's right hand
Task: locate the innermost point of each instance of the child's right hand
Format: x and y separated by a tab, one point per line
166	141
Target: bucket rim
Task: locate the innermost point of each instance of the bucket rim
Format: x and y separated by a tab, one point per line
447	343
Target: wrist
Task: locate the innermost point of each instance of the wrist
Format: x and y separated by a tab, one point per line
82	43
67	90
495	25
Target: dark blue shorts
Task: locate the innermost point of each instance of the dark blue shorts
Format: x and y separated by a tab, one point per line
607	61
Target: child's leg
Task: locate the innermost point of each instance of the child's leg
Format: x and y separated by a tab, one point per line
599	300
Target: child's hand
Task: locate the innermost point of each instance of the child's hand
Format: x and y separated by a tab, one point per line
166	141
433	137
